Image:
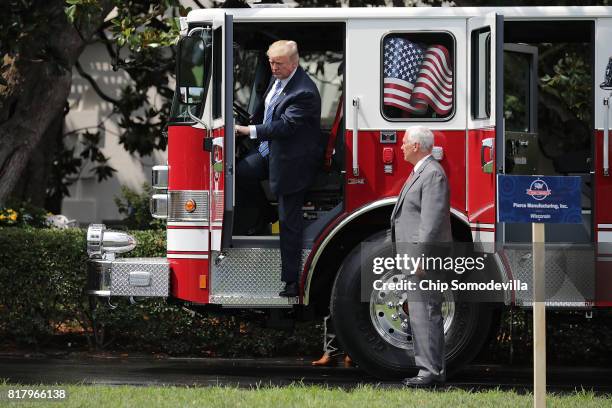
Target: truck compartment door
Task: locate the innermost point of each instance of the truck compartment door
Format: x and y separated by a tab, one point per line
222	143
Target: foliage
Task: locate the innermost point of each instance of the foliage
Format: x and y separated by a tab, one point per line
571	82
20	22
67	165
148	33
8	216
138	37
571	338
42	281
140	41
134	206
566	105
22	214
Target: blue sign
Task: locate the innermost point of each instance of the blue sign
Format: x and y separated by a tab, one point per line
545	199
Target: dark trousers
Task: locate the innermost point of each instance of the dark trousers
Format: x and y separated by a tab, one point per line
250	199
253	210
291	227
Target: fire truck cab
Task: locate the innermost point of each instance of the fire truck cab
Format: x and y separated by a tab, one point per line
480	78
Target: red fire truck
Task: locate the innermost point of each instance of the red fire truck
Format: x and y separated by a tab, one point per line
494	111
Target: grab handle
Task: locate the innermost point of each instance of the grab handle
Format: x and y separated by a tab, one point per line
355	136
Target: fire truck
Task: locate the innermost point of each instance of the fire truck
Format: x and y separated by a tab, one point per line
489	101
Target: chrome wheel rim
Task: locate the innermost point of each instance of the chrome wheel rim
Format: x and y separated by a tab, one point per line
390	315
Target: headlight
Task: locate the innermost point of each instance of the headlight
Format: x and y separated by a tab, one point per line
101	241
159	177
159	206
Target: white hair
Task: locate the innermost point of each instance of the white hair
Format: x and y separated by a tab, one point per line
423	136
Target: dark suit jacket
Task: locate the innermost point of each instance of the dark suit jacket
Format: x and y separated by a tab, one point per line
294	134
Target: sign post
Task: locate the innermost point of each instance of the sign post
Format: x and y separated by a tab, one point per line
539	315
539	200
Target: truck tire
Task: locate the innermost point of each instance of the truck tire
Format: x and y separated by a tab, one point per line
362	330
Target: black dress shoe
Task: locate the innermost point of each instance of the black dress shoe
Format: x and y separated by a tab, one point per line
291	290
422	382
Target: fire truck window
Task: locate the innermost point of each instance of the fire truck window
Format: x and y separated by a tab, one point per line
418	76
250	77
481	73
516	91
325	69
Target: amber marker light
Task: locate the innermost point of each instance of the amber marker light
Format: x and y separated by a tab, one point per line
190	206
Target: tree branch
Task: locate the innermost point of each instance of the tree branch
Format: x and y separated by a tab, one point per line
107	44
106	25
94	84
200	5
553	103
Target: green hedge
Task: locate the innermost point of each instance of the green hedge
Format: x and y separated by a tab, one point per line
43	305
42	280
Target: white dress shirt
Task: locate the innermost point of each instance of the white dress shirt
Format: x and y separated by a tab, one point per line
420	162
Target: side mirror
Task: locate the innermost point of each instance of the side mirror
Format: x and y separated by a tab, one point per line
193	70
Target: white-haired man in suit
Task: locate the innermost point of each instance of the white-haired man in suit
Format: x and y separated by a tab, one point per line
422	216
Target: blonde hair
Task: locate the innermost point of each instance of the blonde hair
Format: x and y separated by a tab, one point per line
284	47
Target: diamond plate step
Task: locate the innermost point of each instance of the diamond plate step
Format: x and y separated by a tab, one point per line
569	275
249	277
253	301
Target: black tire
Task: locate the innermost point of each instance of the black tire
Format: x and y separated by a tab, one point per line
464	338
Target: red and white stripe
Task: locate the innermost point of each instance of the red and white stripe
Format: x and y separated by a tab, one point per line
187	241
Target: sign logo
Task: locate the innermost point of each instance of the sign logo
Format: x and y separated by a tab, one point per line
516	195
539	190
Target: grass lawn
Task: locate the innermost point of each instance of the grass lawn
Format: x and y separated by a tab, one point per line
297	396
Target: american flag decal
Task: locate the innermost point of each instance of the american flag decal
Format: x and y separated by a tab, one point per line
417	77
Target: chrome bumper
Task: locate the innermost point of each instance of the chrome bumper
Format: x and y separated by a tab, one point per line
147	277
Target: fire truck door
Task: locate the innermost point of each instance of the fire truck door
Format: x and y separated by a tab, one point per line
484	122
523	151
520	138
222	144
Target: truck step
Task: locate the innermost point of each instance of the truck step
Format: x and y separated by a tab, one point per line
249	277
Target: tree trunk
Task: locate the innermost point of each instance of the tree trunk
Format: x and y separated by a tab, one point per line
39	82
35	177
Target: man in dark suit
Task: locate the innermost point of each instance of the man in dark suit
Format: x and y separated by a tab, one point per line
422	216
289	151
